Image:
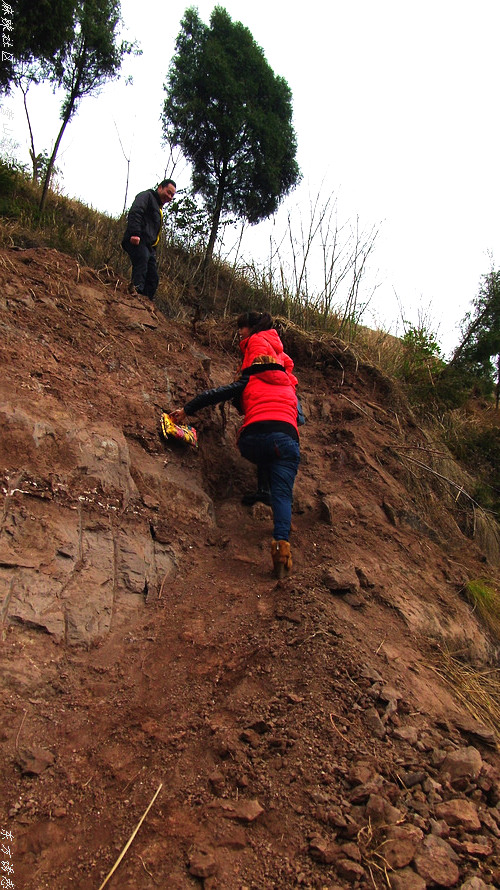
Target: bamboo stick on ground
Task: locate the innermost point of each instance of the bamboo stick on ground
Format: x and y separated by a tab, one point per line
131	838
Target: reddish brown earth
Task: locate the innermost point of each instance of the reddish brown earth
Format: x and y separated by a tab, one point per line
298	733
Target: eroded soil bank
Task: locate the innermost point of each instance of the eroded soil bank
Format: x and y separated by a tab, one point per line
302	732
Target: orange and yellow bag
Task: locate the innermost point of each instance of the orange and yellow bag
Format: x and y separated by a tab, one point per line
172	430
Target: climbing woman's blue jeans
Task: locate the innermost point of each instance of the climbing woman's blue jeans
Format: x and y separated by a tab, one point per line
279	454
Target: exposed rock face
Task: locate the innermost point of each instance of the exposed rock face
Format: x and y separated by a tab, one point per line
78	549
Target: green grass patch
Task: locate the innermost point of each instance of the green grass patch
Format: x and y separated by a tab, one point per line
484	597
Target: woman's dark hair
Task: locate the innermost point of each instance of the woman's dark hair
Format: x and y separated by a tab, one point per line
256	321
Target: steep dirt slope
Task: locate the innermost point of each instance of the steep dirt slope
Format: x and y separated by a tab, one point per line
299	733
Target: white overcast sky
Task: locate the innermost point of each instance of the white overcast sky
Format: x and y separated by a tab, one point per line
396	112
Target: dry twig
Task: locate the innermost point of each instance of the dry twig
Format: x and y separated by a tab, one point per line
460	488
342	736
20	728
342	396
132	836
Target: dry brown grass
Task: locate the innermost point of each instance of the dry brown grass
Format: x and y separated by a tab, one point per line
477	690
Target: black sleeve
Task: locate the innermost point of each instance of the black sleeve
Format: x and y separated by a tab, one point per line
214	396
136	214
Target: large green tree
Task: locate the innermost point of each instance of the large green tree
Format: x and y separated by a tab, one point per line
92	56
33	37
33	32
72	44
232	118
479	349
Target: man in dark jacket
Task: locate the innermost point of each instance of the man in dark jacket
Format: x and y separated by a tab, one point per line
143	233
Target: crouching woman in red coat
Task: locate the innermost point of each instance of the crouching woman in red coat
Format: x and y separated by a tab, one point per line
268	437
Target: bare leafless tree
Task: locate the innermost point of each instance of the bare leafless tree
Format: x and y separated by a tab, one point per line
127	160
322	263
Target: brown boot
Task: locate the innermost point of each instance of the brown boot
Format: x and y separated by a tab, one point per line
282	558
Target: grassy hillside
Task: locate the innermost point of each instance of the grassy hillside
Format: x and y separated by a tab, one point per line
448	407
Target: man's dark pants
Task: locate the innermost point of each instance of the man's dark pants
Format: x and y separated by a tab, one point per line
144	271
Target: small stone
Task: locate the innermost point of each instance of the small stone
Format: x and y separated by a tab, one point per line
379	809
33	761
59	812
354	600
432	841
351	871
407	734
411	779
434	865
245	810
488	819
150	502
334	508
407	879
235	839
362	793
369	673
469	726
389	693
362	773
375	724
216	780
477	848
363	579
390	512
401	845
341	579
202	863
440	828
322	849
352	851
250	737
475	883
463	763
459	812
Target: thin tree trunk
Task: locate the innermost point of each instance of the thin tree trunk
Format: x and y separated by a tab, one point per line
128	169
497	394
126	187
215	224
73	98
32	150
52	160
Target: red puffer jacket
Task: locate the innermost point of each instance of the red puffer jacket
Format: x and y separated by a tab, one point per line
266	343
269	395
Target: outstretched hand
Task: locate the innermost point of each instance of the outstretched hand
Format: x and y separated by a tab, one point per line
178	416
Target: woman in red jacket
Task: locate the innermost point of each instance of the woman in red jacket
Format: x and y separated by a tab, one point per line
268	436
